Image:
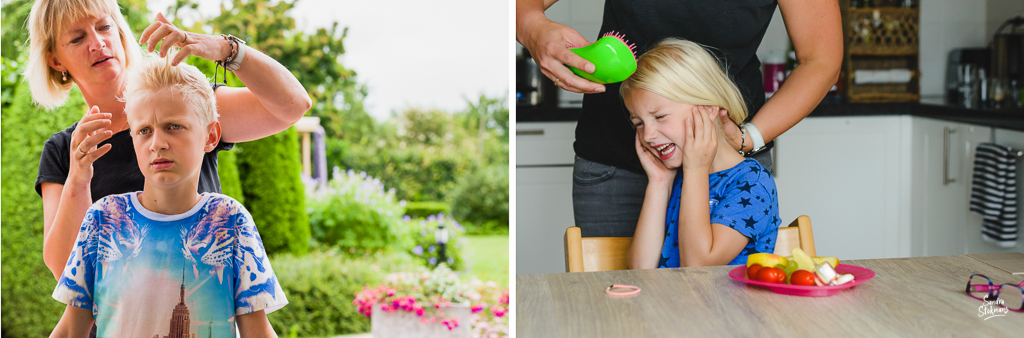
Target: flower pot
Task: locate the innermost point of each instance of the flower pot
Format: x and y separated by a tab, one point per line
401	324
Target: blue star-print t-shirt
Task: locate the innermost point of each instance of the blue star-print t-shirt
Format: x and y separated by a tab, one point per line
743	198
145	274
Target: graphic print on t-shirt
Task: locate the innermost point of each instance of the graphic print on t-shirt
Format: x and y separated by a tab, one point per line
151	275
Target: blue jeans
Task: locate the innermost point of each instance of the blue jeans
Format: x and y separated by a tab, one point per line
607	200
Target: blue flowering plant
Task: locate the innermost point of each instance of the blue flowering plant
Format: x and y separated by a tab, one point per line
355	213
428	235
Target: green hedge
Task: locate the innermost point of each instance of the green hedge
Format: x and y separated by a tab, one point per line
28	310
230	182
320	288
270	170
425	209
480	199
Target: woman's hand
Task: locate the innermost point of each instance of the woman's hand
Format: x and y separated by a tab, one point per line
548	43
84	139
656	171
213	48
701	141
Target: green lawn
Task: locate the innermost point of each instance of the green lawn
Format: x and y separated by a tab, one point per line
488	258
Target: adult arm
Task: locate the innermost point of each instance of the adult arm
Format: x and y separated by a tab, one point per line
548	43
76	322
254	324
64	205
816	31
272	99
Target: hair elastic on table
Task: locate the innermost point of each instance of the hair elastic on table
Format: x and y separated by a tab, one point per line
633	290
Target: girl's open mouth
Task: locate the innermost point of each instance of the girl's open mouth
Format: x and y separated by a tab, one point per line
666	151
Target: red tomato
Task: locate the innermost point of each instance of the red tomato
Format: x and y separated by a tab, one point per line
802	277
771	275
752	271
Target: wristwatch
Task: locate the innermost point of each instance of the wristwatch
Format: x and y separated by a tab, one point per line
755	137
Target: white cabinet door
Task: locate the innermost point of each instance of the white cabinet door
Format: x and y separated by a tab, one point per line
849	175
544	158
975	244
543	211
942	164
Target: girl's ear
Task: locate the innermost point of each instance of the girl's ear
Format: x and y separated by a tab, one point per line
213	136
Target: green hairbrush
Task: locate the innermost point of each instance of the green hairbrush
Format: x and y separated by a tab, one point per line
614	59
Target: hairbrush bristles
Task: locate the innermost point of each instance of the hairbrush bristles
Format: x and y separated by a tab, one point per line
622	37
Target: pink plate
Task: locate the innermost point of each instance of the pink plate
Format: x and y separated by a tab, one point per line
860	275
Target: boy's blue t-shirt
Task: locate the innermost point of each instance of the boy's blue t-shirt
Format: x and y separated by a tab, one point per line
145	274
743	198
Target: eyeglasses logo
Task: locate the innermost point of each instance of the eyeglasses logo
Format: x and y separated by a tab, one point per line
992	309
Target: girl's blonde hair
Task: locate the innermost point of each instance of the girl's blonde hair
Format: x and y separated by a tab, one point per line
683	71
154	73
50	18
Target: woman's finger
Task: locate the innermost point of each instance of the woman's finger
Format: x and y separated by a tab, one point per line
159	34
160	17
94	140
176	38
182	54
149	31
93	155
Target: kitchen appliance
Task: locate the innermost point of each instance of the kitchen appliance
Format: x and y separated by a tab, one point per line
1008	57
529	82
962	74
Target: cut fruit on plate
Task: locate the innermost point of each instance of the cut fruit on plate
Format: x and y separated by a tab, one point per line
860	274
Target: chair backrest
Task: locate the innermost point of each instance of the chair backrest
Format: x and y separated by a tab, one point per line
797	234
594	253
609	253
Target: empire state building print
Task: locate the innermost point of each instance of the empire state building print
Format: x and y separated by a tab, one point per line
180	317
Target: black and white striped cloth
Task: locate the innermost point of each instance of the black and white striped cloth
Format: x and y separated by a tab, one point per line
994	194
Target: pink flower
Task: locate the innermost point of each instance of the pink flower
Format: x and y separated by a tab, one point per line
477	308
498	310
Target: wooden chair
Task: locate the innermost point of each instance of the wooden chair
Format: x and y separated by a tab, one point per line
797	234
609	253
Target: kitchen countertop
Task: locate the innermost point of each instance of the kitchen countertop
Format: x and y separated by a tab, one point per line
929	107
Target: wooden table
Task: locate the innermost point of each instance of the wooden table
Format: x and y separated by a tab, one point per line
908	297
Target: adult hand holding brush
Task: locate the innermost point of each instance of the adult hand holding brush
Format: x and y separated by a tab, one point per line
549	43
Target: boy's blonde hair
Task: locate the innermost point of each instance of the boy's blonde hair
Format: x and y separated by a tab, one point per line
46	21
153	73
683	71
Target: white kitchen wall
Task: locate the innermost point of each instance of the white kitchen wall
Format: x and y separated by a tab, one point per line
997	12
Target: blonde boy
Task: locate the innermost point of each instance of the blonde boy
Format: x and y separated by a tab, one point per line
168	261
705	203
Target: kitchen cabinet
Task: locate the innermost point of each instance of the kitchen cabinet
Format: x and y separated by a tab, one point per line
849	174
544	160
942	167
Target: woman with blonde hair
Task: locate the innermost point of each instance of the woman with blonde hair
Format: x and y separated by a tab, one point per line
705	203
88	44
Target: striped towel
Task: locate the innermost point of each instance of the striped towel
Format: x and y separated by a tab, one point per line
994	194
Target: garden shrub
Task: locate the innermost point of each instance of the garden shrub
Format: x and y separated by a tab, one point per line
481	199
355	212
227	169
320	287
426	248
28	310
271	175
424	209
